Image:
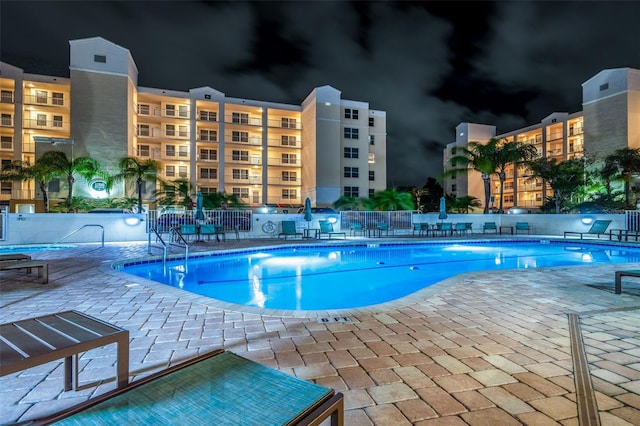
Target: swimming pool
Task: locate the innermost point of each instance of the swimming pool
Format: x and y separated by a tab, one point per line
313	277
32	248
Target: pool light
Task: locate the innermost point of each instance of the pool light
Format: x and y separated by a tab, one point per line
586	220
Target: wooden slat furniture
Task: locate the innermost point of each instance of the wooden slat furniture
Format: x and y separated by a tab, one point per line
217	388
13	257
620	274
40	265
35	341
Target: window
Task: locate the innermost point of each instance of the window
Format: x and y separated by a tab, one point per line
183	111
242	174
143	150
5	164
170	130
371	192
183	151
604	86
454	187
41	96
372	140
143	130
208	135
182	171
288	123
239	118
182	131
100	58
170	150
143	109
57	121
208	173
5	188
208	189
372	175
289	176
350	152
170	171
57	98
289	158
288	140
209	154
5	119
6	142
351	172
41	119
350	133
351	191
239	155
170	110
351	113
289	194
54	185
371	122
240	192
208	116
6	97
240	136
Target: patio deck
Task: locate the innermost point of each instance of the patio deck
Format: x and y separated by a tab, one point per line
480	348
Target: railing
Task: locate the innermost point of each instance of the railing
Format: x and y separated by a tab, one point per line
176	235
163	222
370	219
77	230
153	230
632	219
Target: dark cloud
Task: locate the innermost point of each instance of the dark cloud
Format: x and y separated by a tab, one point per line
425	63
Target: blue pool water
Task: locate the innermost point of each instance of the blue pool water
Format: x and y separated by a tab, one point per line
349	276
32	248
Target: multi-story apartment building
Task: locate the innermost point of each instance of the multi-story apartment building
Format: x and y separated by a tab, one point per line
610	120
263	152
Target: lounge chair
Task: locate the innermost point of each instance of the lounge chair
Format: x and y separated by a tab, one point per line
218	388
523	226
489	227
289	229
599	227
620	274
326	228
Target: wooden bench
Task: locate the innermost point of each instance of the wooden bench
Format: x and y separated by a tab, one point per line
14	256
35	341
620	274
41	266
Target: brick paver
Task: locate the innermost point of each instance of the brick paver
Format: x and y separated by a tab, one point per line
476	349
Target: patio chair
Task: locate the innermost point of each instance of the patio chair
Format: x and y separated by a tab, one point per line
289	229
620	274
417	229
188	230
599	227
326	228
523	226
489	227
460	228
383	227
355	228
216	388
444	228
213	229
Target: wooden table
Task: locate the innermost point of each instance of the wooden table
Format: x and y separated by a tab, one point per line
35	341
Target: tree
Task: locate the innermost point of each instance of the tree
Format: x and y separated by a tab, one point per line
511	153
140	170
463	204
418	193
565	177
627	160
392	199
60	164
176	193
479	157
41	172
350	203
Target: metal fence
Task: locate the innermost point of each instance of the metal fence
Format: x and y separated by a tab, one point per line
370	219
163	221
632	218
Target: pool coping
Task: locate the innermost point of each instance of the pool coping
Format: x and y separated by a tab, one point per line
112	268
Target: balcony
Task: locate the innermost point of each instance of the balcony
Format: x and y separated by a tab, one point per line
251	140
43	100
253	160
287	181
285	123
45	124
288	162
280	143
242	120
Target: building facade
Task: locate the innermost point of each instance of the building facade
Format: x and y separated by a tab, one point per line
610	120
262	152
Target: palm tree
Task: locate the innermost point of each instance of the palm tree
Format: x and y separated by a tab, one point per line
349	203
140	170
42	172
176	193
479	157
61	165
463	204
628	162
418	193
511	153
392	199
565	177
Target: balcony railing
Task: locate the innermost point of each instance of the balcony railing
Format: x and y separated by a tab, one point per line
276	142
252	140
284	162
242	120
45	100
253	160
48	124
281	181
285	123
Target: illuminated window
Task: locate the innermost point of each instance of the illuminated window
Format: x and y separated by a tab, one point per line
208	173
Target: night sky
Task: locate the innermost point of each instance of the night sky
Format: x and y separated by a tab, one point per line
430	65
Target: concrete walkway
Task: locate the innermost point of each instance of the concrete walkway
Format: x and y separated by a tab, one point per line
482	348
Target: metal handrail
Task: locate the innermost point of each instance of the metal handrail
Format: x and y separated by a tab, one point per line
164	245
175	232
73	232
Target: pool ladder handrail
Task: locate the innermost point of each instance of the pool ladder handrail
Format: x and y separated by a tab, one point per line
158	238
173	234
77	230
